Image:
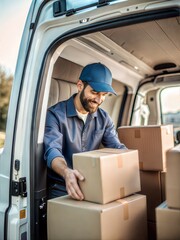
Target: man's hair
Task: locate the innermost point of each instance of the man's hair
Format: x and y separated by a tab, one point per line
85	84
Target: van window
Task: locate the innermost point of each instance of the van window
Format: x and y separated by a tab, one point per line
170	107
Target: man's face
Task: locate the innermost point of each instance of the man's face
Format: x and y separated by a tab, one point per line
91	99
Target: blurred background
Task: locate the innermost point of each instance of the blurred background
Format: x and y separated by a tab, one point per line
12	20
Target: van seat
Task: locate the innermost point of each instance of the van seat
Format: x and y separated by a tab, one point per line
112	105
60	90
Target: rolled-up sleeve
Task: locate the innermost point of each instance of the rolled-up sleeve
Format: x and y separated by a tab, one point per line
110	137
53	139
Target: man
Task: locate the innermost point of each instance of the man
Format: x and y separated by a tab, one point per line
78	125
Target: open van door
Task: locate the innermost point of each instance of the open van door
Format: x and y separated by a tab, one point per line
72	32
13	192
13	172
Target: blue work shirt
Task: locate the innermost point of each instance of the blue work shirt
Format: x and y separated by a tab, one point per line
66	133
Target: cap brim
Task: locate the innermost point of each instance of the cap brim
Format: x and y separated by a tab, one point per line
102	87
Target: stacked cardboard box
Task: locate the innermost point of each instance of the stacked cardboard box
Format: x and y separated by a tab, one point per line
173	178
168	213
111	209
152	142
153	186
109	174
69	219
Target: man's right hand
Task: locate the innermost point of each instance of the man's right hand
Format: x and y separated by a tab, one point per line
71	178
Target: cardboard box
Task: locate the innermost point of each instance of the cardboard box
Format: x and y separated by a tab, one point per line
152	185
81	220
173	178
109	174
152	142
167	222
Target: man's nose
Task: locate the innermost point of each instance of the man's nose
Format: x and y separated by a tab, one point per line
99	99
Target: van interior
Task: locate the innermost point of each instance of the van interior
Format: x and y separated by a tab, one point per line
144	58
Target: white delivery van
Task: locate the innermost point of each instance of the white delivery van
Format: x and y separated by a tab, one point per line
139	41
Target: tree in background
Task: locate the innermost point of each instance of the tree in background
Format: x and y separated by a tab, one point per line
5	91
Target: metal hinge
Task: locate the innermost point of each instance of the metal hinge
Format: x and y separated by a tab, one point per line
59	7
19	188
102	3
70	12
32	26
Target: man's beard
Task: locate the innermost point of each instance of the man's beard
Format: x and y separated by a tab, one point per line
86	103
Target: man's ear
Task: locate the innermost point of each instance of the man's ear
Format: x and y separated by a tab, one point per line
80	85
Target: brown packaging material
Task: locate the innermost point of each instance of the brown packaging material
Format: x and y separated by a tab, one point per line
173	178
152	185
81	220
152	142
163	185
109	174
167	223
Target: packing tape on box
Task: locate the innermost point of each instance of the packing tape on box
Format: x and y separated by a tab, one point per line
93	162
122	192
125	208
137	133
168	130
141	165
120	162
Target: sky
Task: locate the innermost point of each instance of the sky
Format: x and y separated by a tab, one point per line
12	19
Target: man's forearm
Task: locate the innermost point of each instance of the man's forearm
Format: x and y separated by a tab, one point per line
59	165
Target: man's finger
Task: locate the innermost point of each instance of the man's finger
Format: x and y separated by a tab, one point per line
78	175
74	188
78	192
75	193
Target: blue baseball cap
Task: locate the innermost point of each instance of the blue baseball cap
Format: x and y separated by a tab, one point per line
98	76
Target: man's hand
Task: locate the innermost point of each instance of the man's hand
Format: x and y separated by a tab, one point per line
71	178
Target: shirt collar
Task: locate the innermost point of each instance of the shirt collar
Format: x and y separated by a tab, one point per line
71	110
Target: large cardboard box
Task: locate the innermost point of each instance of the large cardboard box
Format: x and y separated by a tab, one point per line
173	178
109	174
167	223
81	220
152	185
152	143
